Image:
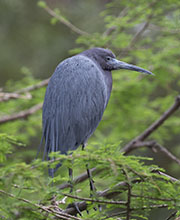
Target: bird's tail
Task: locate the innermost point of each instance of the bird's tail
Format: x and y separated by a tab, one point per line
51	145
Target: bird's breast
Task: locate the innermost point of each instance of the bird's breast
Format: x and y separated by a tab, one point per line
108	82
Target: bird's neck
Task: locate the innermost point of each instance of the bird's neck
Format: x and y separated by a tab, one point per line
108	81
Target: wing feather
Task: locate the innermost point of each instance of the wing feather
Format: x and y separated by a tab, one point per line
74	103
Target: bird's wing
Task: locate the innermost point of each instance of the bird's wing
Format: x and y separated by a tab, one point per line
74	103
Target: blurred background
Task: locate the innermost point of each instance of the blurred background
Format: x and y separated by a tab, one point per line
145	33
29	39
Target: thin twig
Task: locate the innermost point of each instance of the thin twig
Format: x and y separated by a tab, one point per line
18	94
166	175
5	96
59	214
140	32
172	215
156	147
119	188
112	28
34	87
151	198
150	207
21	114
133	209
64	21
132	144
128	205
128	214
111	192
95	200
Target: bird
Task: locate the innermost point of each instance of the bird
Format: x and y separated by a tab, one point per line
76	98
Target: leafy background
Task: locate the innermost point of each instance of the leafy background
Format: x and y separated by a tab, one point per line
145	33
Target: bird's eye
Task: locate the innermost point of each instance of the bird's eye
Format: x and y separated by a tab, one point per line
108	58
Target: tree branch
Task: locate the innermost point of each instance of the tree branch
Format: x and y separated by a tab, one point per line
34	87
21	114
140	32
64	21
60	214
5	96
111	29
111	192
132	144
154	146
172	215
17	94
96	200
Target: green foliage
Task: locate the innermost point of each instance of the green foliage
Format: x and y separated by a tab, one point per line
138	98
27	128
6	142
41	4
144	33
28	182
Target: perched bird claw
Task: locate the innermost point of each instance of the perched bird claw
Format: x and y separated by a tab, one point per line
75	205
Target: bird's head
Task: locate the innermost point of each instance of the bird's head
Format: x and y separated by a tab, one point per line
107	60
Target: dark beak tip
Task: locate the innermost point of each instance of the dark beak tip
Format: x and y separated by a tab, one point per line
152	74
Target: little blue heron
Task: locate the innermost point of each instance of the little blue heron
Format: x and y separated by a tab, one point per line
76	97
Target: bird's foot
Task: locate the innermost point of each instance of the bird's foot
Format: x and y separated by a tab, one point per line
71	180
75	205
71	186
93	193
91	182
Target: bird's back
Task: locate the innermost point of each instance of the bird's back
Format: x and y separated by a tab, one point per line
74	103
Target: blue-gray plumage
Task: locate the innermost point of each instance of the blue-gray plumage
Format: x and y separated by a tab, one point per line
76	97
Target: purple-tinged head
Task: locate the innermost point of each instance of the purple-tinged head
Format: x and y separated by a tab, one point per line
108	62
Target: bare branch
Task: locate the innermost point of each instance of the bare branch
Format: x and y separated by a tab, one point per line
140	32
166	175
117	189
151	207
156	147
111	29
172	215
128	213
142	208
111	192
83	206
34	87
130	146
96	200
21	114
60	214
64	21
151	198
137	142
5	96
17	94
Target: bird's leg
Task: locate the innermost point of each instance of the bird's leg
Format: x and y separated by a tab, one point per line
83	146
74	204
91	181
71	179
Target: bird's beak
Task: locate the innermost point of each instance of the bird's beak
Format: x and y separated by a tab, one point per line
122	65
